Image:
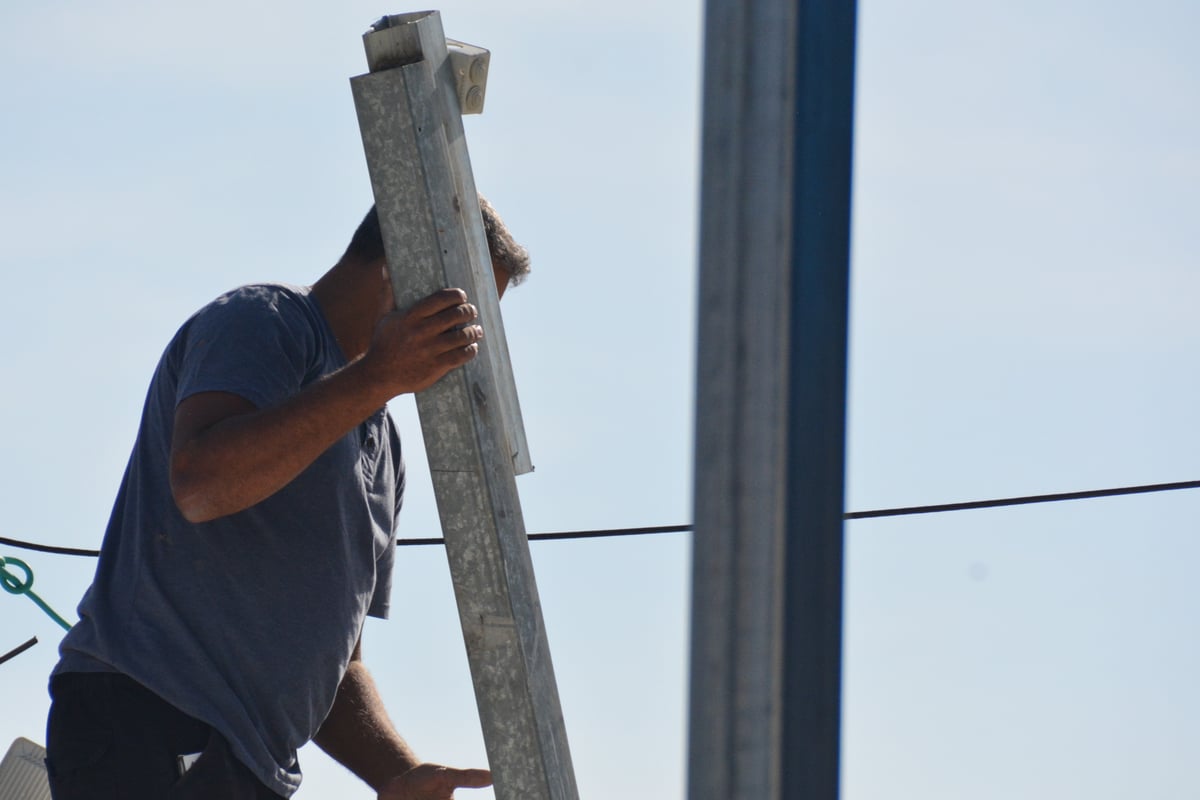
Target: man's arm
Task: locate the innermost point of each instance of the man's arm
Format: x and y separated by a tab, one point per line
358	734
227	455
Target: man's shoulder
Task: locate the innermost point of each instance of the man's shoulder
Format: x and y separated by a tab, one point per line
270	296
259	304
256	322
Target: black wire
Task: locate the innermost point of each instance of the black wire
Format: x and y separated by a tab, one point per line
543	537
1021	501
46	548
17	651
883	512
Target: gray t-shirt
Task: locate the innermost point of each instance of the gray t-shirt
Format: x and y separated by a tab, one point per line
246	622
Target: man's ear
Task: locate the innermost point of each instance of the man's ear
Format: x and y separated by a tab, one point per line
502	278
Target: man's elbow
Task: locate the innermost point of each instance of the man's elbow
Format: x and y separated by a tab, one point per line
190	492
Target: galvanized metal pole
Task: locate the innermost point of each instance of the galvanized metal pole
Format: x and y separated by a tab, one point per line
409	116
771	383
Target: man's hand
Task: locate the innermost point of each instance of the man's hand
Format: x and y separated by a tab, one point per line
433	782
411	350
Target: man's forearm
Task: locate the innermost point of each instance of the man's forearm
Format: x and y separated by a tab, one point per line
358	734
247	457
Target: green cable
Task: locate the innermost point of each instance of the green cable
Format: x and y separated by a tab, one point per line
13	585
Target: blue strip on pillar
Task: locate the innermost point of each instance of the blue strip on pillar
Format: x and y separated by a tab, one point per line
817	400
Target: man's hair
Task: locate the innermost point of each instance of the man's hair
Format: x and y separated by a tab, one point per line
366	246
512	257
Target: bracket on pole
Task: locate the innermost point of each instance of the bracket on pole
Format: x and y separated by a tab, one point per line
390	43
409	111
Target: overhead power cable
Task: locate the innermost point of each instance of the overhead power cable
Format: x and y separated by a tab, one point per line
16	651
1023	501
600	534
49	548
876	514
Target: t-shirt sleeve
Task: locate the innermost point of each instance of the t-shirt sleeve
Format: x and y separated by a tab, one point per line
255	342
381	600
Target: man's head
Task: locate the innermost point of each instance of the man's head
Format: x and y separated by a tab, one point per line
508	258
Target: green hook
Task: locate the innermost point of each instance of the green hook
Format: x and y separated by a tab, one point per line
13	585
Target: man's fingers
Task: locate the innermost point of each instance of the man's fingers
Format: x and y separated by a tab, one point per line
457	357
453	317
468	778
439	301
448	313
434	781
461	337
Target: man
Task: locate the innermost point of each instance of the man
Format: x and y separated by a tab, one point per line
253	532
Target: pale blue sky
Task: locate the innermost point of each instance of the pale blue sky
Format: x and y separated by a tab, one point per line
1025	274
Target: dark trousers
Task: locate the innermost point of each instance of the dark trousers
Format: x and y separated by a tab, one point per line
110	738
